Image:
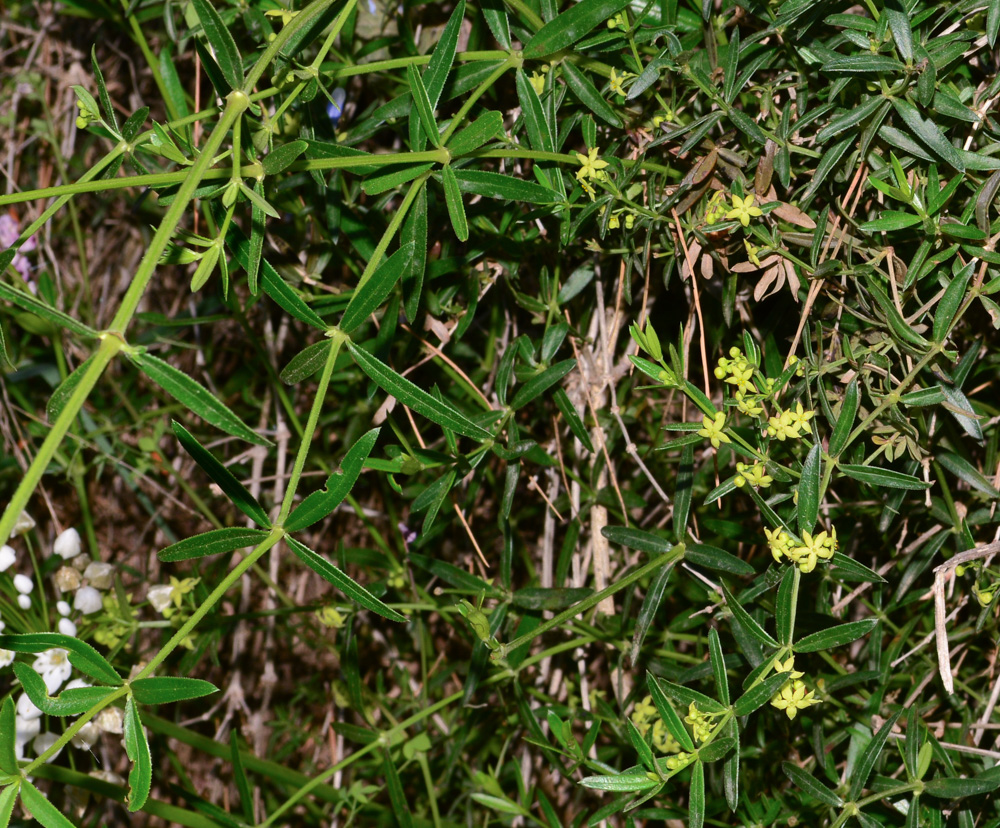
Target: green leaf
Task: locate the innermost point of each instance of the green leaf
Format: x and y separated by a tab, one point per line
549	598
964	470
397	795
637	539
863	64
423	105
807	509
258	224
102	90
747	125
218	34
650	604
8	729
949	304
414	231
759	695
505	187
684	696
195	397
71	702
859	570
835	636
168	689
231	487
140	778
443	56
537	385
716	749
718	666
742	617
633	779
57	402
454	576
666	710
568	27
951	787
565	406
282	157
864	766
845	422
992	22
890	220
319	504
717	559
392	176
640	745
215	542
812	786
585	90
961	409
485	128
370	295
884	478
496	18
928	132
81	655
850	118
41	809
535	122
8	799
258	202
899	22
306	362
414	397
696	796
784	608
351	588
453	198
34	305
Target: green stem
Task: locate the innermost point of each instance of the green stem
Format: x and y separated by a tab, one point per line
673	555
397	219
213	598
471	100
527	13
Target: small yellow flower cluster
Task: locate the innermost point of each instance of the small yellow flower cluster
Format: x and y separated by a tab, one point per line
591	167
814	548
537	79
679	761
713	429
615	81
616	218
701	722
756	475
737	371
716	209
790	425
645	717
744	210
793	695
618	22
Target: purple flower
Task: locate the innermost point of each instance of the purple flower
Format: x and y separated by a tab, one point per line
10	231
335	108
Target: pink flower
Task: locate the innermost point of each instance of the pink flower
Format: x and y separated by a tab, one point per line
10	231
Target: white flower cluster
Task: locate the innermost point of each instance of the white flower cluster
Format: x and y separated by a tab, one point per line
83	577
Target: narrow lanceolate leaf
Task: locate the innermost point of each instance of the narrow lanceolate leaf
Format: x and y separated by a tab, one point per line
306	362
666	710
453	198
537	386
369	296
231	487
590	97
415	232
81	655
34	305
696	798
414	397
718	666
319	504
958	405
637	539
718	559
953	787
899	22
865	765
863	64
964	470
742	617
928	132
240	777
845	422
423	105
535	123
44	812
784	609
351	588
811	785
8	730
836	636
258	224
216	542
567	28
140	777
993	22
397	795
496	19
168	689
650	604
949	304
641	746
221	40
57	402
8	799
505	187
485	128
195	397
565	406
634	779
282	157
884	478
443	56
807	509
71	702
759	695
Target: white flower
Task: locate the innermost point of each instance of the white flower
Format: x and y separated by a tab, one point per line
67	545
24	602
77	684
159	596
7	557
99	574
67	579
43	741
67	627
87	736
64	608
110	720
107	776
26	708
25	731
88	600
6	656
24	523
54	667
23	584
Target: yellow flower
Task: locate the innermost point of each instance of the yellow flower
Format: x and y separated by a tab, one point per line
590	165
742	374
537	81
713	429
616	80
613	222
794	697
752	252
716	208
587	189
285	15
748	405
743	210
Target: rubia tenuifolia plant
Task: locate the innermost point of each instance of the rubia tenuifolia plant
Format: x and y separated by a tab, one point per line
824	176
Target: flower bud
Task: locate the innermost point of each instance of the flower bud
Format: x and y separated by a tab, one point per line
67	545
